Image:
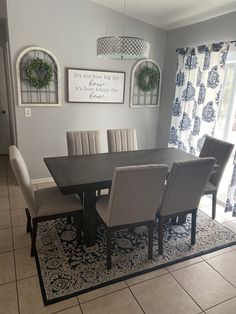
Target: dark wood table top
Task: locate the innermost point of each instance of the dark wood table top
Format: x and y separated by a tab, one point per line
74	174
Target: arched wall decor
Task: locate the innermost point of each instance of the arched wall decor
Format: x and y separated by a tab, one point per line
138	97
28	95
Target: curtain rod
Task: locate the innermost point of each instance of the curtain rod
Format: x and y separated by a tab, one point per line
232	41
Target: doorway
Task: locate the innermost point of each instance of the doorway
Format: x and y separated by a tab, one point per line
7	114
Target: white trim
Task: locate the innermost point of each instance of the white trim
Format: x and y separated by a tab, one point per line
22	53
132	85
42	180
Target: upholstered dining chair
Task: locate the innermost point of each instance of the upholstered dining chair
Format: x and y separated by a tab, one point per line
44	204
185	185
135	194
221	151
83	142
120	140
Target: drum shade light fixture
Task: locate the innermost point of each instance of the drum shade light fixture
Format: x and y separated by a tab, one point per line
123	47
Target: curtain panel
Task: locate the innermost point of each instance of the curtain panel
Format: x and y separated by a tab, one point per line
199	78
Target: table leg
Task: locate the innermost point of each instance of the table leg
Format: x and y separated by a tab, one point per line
90	217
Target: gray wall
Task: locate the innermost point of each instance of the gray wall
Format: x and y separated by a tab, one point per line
218	29
69	29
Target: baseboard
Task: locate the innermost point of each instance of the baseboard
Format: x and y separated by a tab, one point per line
42	180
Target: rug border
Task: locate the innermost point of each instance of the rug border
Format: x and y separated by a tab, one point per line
55	300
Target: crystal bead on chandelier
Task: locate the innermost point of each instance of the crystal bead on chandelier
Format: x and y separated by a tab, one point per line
122	47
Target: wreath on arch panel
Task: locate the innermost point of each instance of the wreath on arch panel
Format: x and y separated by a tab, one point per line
148	78
38	73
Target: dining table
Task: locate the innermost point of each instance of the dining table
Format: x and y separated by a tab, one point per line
86	174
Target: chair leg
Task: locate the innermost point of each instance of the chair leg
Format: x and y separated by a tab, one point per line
193	227
160	234
214	198
79	226
28	226
34	234
108	238
150	239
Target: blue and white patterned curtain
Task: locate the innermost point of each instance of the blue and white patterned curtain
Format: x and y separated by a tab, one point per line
231	197
199	78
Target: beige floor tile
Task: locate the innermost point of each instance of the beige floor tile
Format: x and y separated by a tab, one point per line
163	295
216	253
228	307
116	303
233	247
17	202
5	240
3	191
14	190
7	268
231	226
3	181
18	217
101	292
30	299
5	220
147	276
25	264
8	299
204	285
72	310
184	264
4	204
224	264
21	238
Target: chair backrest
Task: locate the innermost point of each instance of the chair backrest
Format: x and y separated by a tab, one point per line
22	176
185	185
135	193
221	151
83	142
121	140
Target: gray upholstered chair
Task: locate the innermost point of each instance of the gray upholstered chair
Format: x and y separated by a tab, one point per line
185	185
221	151
135	195
83	142
121	140
44	204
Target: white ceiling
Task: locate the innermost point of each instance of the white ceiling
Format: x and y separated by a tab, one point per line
171	14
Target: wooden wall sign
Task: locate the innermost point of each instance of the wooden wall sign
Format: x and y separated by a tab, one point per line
95	86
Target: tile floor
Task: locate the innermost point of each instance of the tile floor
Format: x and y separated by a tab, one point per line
204	284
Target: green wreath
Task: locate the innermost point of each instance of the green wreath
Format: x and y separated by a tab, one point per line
38	73
148	78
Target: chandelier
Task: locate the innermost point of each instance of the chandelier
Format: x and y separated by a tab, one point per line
123	47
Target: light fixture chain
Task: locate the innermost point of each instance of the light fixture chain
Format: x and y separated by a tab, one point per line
108	20
139	17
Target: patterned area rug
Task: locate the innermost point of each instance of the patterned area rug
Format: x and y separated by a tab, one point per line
66	269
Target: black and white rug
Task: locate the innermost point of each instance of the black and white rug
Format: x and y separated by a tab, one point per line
66	270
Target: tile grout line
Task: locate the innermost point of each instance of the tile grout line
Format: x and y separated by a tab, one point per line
100	295
187	292
234	286
68	308
220	303
136	300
